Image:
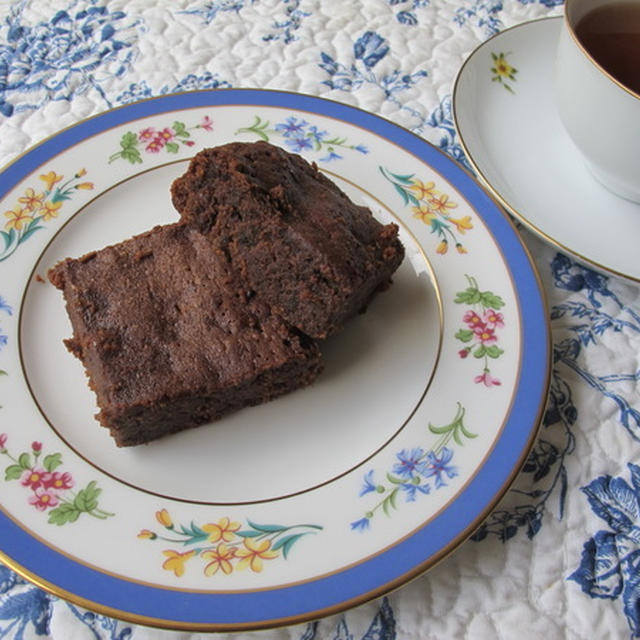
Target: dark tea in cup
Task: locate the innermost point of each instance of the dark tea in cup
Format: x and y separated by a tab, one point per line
611	35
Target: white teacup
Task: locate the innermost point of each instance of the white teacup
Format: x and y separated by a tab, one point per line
601	115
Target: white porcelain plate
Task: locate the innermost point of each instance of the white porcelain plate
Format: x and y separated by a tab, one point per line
314	502
508	125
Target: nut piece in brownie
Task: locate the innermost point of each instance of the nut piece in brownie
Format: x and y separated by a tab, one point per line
303	246
170	338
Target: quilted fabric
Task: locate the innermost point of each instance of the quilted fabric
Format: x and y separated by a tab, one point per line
560	557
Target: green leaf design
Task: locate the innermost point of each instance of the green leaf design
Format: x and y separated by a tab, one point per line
64	513
258	127
490	300
30	230
405	179
286	543
464	335
247	533
266	528
494	351
24	460
180	129
3	372
390	502
172	147
87	499
8	237
129	140
132	155
13	472
52	461
480	351
469	296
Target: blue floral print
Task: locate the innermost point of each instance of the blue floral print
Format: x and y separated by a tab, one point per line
58	59
610	564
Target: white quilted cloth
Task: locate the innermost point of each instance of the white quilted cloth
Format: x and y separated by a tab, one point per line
560	558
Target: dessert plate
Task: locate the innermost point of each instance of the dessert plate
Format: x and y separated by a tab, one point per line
321	499
504	112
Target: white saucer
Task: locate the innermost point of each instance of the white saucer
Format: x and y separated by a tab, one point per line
513	137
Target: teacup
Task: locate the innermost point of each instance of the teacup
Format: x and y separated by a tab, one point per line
600	113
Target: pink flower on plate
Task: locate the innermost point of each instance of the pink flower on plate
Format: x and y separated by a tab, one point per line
33	478
493	319
473	319
3	440
487	379
147	134
155	145
165	135
207	124
463	353
485	334
36	446
57	481
43	500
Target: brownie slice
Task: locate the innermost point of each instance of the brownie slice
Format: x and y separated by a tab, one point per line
301	244
171	338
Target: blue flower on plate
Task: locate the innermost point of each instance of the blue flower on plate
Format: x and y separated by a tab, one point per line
361	525
299	143
610	563
439	466
409	463
411	490
369	485
291	126
4	306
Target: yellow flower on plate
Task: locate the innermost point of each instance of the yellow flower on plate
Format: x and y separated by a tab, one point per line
442	247
175	561
501	67
253	553
462	224
50	179
82	172
423	190
220	558
17	218
460	248
164	518
440	204
145	534
424	213
31	200
85	185
223	530
49	210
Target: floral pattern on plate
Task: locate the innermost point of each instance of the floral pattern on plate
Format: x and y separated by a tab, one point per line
51	490
503	72
482	320
37	205
416	471
153	140
432	206
224	545
299	135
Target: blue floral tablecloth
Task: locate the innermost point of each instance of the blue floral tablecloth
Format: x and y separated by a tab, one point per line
560	557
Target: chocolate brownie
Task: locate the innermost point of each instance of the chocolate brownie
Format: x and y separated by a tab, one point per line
171	338
302	245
